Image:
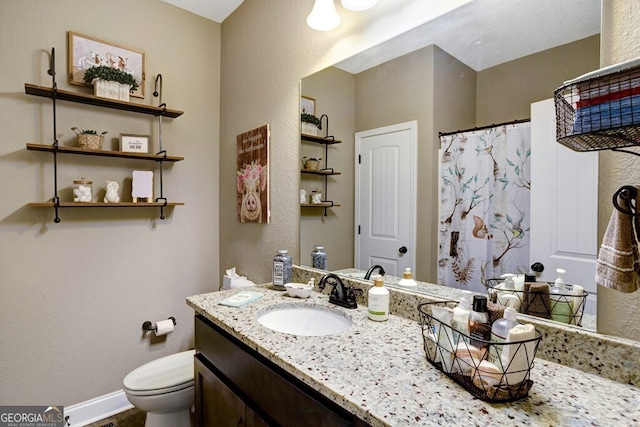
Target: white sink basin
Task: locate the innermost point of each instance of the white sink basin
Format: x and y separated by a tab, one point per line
305	320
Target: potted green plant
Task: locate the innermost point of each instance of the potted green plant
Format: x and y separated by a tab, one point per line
310	124
109	82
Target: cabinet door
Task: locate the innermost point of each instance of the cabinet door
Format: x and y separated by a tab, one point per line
216	404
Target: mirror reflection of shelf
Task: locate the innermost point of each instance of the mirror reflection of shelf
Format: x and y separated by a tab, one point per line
320	139
320	171
325	204
324	172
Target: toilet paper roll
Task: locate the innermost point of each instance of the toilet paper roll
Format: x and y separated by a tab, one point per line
164	327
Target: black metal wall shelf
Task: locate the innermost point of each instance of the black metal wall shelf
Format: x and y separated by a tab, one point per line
55	94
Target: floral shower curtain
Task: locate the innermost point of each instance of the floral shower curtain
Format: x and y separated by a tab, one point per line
484	211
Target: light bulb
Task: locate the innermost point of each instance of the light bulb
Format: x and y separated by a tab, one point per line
323	16
358	5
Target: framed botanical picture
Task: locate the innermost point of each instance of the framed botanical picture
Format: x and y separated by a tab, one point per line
86	52
308	105
134	143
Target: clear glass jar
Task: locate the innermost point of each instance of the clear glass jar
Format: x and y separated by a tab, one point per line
82	191
282	269
319	257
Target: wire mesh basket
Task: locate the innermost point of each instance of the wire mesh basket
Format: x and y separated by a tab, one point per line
535	300
491	371
599	112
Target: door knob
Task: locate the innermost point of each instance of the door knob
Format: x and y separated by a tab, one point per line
403	250
538	267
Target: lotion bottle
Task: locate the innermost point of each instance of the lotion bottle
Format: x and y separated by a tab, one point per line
378	300
407	279
500	330
561	310
460	321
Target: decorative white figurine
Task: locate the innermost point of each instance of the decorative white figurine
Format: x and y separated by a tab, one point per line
303	197
111	195
316	198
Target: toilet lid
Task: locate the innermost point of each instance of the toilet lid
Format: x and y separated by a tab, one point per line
169	372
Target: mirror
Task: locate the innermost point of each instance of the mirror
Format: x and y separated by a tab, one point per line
519	61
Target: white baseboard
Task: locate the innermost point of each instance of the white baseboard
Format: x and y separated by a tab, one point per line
97	409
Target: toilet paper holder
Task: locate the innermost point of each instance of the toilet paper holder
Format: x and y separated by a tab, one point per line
148	326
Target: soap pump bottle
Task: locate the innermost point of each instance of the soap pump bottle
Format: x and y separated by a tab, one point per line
561	310
507	288
500	330
407	279
378	300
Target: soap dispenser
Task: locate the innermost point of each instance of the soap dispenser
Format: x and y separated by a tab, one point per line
500	330
407	279
561	310
508	288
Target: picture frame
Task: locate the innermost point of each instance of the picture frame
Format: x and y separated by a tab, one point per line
307	105
130	143
85	52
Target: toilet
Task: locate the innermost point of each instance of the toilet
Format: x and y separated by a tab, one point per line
163	388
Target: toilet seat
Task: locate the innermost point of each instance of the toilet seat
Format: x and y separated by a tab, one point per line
164	375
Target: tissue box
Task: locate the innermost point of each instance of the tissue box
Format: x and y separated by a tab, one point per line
229	282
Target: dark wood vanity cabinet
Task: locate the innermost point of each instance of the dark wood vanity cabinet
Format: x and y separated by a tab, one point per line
218	405
236	386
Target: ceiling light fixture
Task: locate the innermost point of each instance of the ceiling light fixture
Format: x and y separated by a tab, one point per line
358	5
323	16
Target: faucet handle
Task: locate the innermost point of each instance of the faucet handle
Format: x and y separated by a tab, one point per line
352	292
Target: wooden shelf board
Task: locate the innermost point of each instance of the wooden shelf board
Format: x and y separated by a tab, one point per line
320	172
104	205
320	205
82	98
103	153
319	139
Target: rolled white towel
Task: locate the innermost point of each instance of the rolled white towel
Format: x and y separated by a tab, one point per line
578	300
517	358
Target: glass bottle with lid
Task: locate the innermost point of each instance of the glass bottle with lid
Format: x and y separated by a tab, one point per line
82	191
282	269
319	257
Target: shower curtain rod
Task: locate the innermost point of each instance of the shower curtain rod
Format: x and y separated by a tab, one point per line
514	122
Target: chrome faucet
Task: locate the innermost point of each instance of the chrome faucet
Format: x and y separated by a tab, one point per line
367	276
340	295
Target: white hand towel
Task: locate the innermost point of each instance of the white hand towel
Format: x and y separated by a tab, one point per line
618	260
517	358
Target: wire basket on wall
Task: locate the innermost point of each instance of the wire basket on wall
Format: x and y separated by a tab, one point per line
600	110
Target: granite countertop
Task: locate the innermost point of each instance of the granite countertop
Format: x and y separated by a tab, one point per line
378	371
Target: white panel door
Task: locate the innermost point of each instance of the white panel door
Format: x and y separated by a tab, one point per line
386	198
564	205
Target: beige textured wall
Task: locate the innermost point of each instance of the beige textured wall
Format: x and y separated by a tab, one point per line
506	91
73	295
617	312
334	92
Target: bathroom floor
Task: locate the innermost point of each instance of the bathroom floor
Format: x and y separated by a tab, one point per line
130	418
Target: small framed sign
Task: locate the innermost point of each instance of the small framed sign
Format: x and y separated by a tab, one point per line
134	143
